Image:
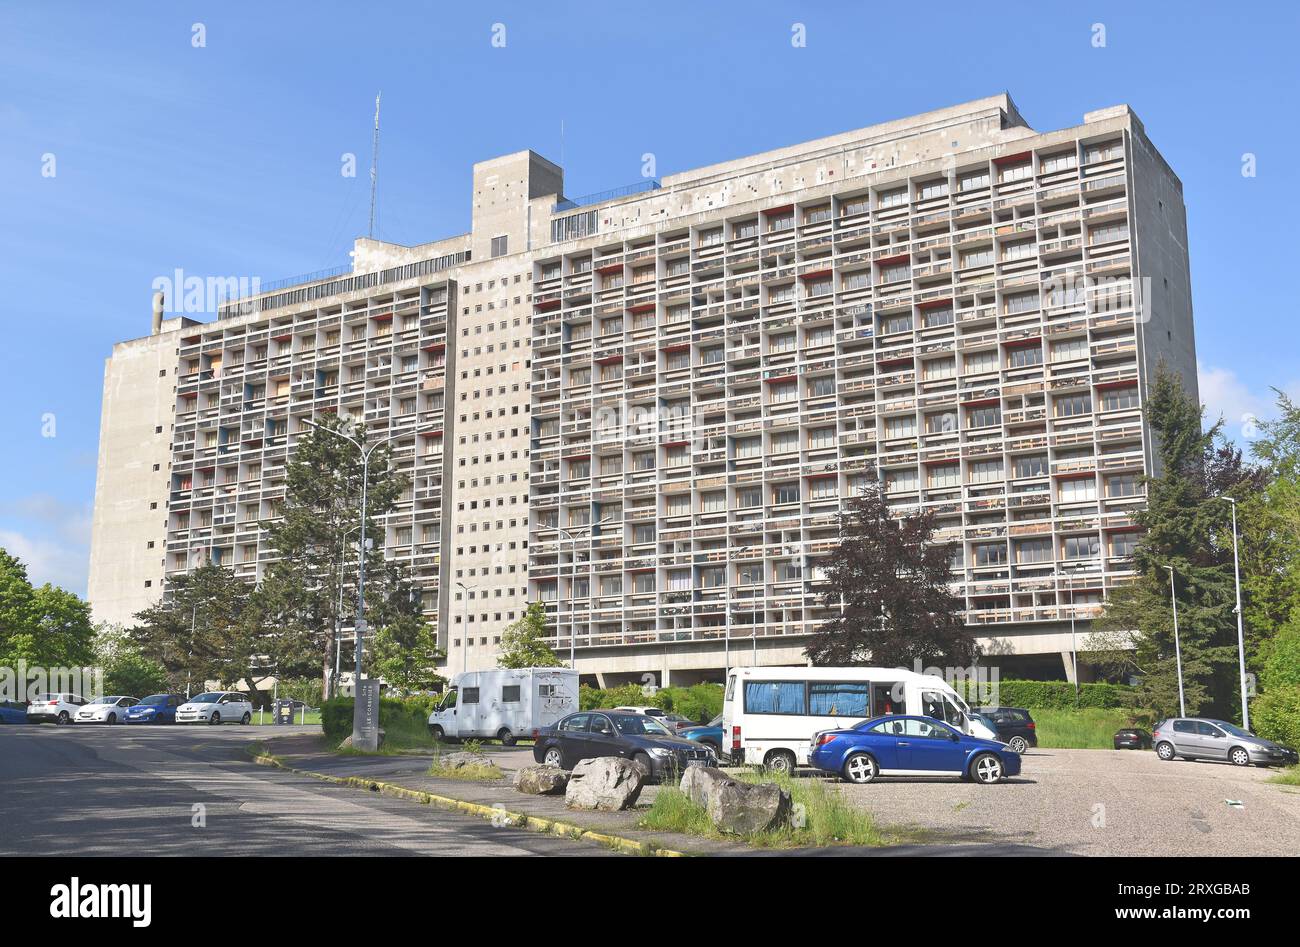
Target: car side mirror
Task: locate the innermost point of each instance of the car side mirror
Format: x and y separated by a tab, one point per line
954	737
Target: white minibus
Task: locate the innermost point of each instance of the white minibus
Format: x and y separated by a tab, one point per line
769	714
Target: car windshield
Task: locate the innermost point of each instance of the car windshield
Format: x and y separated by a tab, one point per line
638	725
205	699
155	699
103	700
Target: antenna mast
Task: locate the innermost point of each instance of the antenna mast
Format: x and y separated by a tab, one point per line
374	168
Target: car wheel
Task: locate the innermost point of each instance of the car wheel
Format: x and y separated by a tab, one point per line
62	718
861	768
986	768
506	737
642	761
1018	744
436	732
780	762
553	757
1165	750
1239	756
215	719
246	719
112	719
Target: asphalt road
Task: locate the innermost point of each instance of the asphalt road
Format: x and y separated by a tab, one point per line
82	790
1103	802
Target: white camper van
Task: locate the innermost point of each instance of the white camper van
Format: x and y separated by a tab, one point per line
504	704
769	714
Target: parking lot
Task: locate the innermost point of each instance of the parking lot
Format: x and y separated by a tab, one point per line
1102	802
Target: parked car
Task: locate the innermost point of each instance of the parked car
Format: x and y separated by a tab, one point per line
13	711
910	746
1014	726
590	734
709	734
1132	738
216	707
55	708
1205	738
156	708
105	709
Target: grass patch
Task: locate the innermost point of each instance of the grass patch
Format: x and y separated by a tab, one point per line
1286	777
267	719
822	817
1088	728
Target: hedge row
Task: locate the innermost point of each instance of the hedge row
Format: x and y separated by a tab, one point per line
1275	714
1054	694
409	715
700	702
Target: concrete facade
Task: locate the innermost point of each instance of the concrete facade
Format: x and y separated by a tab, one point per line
645	408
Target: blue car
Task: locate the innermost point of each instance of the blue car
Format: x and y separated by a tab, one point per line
710	734
156	708
11	711
899	745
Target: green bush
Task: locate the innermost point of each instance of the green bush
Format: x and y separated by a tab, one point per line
1275	715
404	722
1056	694
696	702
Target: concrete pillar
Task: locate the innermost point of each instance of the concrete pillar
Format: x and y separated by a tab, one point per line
665	677
1067	658
600	679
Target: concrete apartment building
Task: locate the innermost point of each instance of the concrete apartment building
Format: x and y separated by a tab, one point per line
645	408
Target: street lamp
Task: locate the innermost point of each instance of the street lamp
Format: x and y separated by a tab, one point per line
573	571
359	624
1074	641
464	632
1178	651
1241	638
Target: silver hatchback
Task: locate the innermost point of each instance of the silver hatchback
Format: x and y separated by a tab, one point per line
1204	738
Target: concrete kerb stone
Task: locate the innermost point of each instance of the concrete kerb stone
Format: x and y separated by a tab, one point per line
520	819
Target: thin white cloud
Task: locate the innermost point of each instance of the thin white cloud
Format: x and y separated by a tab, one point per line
49	560
1225	395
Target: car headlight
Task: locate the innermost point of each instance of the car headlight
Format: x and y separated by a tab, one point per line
660	752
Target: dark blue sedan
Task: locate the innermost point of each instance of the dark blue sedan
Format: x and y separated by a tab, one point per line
156	708
910	746
11	711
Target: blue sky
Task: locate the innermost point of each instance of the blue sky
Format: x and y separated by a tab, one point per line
224	159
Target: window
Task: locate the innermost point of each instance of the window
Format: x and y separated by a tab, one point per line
469	695
978	362
839	700
1034	550
973	180
509	692
991	554
895	198
774	697
1021	250
1123	545
713	502
1069	349
981	257
749	447
1035	466
941	423
938	368
1016	172
1059	162
821	387
825	436
643	583
785	493
1073	406
1119	399
983	416
892	324
985	471
1020	302
895	272
937	316
898	427
931	189
823	488
1024	356
945	475
1082	547
1078	490
1123	485
901	481
784	392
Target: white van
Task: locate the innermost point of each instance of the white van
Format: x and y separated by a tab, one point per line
504	704
769	714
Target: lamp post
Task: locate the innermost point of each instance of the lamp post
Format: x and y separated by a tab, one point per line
366	451
464	632
573	571
1241	637
1178	650
1074	641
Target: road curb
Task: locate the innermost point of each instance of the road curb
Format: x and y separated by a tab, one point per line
491	813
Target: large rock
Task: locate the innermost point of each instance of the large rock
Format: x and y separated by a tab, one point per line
606	783
462	760
699	782
541	780
744	808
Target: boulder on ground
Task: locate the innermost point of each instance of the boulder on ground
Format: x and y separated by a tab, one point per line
347	741
607	783
541	780
462	760
743	808
699	781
